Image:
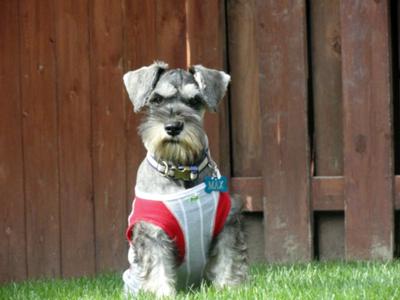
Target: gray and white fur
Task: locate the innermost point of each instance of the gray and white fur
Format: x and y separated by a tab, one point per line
175	101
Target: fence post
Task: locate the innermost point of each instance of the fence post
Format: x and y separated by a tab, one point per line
283	100
367	125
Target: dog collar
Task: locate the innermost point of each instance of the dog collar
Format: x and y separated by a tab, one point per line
185	173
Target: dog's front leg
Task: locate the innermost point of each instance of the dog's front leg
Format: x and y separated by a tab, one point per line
153	260
227	264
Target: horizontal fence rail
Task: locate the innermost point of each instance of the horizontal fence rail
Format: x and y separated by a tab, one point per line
327	193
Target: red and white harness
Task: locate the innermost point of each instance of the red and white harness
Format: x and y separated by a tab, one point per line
191	218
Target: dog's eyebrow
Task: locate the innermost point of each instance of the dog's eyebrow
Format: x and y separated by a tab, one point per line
189	90
165	89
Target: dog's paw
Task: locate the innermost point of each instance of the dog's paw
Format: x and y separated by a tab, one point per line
165	292
131	284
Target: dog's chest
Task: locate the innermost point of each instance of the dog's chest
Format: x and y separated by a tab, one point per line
196	216
191	219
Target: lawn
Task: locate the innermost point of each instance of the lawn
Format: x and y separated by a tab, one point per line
302	281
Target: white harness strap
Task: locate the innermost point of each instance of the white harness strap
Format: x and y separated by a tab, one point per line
195	214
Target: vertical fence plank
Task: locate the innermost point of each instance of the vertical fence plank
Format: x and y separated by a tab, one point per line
327	87
395	32
108	124
205	36
283	100
368	162
38	88
327	97
140	50
77	219
12	220
244	100
171	32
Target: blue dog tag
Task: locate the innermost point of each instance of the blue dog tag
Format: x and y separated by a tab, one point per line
216	184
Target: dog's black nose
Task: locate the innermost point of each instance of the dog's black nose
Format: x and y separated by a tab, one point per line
173	128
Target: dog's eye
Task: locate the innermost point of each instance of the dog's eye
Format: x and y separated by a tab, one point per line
195	101
157	99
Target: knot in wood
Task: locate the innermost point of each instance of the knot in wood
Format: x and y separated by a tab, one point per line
360	143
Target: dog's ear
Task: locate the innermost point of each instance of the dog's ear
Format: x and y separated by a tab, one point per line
212	84
141	82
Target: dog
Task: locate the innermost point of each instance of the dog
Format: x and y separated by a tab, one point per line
180	234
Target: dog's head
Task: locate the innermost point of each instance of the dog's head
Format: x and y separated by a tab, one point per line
176	101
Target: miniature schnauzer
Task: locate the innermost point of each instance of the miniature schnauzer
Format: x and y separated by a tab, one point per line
179	232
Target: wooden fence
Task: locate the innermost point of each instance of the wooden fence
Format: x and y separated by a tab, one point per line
307	135
328	110
69	149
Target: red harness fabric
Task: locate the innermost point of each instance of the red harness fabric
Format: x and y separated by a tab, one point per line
223	209
157	213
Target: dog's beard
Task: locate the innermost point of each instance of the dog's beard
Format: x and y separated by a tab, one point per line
185	149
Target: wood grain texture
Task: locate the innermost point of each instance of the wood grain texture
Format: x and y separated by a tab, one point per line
109	140
40	130
368	157
205	42
139	50
250	191
395	32
74	111
328	194
285	150
327	86
244	100
171	33
12	220
327	104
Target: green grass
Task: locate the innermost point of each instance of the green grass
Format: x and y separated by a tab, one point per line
302	281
